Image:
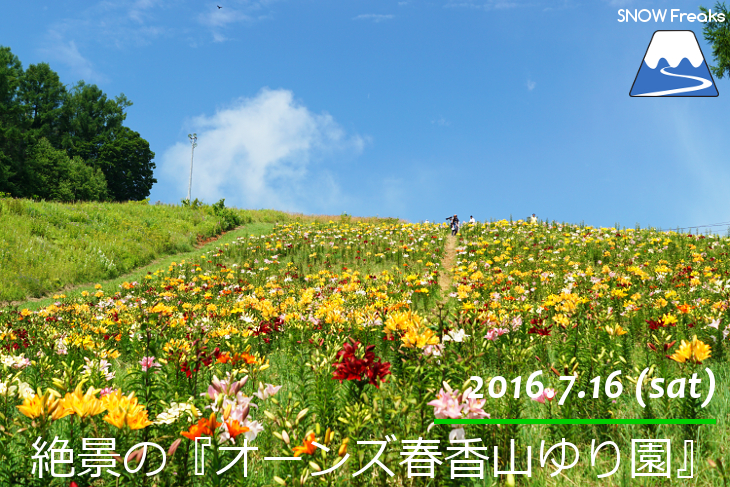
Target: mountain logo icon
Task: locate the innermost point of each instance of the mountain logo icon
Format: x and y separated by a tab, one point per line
673	66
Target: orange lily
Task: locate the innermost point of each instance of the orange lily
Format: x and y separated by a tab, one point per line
204	427
684	308
246	357
235	428
306	447
226	357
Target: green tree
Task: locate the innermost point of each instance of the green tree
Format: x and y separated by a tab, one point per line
126	160
93	130
56	176
88	118
718	34
43	95
11	120
54	143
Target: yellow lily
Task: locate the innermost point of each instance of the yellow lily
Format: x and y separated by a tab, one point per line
419	337
695	352
83	405
125	410
40	404
616	330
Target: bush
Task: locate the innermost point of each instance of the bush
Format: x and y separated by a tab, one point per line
228	218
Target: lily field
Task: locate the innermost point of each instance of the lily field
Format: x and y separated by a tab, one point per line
306	340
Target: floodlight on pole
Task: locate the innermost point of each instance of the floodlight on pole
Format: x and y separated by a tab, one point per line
194	143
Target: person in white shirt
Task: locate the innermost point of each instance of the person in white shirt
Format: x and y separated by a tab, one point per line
533	218
472	220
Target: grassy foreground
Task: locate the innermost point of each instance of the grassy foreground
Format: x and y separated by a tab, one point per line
46	247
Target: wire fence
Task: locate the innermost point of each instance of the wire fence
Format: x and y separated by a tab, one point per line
711	228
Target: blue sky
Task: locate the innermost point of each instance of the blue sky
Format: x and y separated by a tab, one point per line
410	109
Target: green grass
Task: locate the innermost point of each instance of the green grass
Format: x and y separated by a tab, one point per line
48	248
112	285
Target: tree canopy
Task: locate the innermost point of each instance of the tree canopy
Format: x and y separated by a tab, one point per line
718	34
67	144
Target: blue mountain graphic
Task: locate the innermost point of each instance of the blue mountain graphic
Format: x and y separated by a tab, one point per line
652	80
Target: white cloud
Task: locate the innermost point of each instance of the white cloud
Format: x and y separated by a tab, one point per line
258	152
138	10
219	19
233	12
441	121
223	17
68	53
374	17
218	37
531	85
125	23
119	24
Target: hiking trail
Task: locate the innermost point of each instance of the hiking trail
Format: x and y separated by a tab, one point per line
446	264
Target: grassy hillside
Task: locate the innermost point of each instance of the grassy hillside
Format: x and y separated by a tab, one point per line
111	286
46	247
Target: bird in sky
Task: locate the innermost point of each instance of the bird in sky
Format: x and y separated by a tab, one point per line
219	6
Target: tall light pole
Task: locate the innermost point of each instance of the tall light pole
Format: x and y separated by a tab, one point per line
194	143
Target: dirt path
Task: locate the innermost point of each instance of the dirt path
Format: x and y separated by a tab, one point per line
446	264
202	242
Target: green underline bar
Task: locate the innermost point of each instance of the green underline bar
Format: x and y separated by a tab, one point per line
575	421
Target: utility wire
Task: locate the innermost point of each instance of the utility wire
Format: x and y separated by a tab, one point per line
705	226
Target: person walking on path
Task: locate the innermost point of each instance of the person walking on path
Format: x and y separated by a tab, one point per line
454	224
